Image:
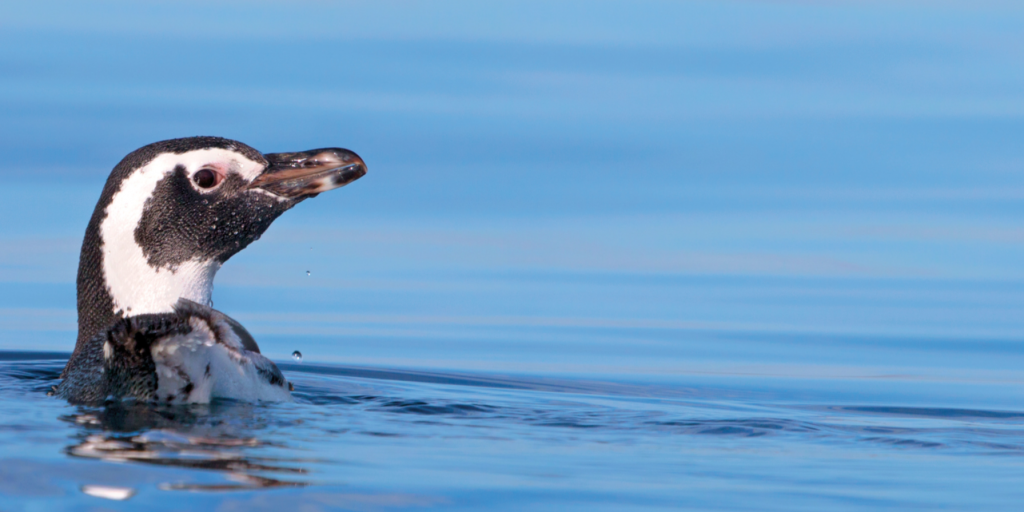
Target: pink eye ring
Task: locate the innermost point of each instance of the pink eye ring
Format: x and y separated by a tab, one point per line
206	178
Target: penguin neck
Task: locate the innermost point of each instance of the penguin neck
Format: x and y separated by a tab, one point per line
136	287
100	304
115	280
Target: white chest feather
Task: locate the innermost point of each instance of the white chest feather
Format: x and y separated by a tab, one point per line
200	366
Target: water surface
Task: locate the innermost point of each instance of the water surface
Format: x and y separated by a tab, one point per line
608	256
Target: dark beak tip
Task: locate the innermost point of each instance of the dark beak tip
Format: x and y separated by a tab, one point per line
307	173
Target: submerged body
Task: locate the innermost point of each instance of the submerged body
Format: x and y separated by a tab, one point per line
189	356
171	213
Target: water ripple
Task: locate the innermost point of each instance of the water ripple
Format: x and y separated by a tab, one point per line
274	446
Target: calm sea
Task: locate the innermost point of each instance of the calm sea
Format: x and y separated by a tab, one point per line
609	255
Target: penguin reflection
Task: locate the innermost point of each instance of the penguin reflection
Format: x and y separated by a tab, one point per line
202	437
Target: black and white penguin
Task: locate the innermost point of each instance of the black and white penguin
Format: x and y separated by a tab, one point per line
170	214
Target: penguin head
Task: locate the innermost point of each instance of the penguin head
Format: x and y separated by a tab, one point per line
172	212
208	203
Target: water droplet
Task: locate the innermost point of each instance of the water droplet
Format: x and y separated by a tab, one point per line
307	272
297	356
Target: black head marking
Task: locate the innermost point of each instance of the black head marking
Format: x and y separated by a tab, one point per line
180	223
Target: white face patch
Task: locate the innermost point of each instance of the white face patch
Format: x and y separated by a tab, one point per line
134	285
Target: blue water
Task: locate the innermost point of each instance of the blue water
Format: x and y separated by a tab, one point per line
608	256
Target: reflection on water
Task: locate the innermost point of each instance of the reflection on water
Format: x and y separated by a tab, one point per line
108	492
162	436
410	439
212	437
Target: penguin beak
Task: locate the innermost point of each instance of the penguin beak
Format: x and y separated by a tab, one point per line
308	173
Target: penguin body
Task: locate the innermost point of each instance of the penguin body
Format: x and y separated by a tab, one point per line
170	214
191	355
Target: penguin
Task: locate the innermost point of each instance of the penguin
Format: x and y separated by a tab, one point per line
171	213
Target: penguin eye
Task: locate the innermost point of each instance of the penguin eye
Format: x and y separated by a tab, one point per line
206	178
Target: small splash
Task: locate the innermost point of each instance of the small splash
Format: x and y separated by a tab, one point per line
297	356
